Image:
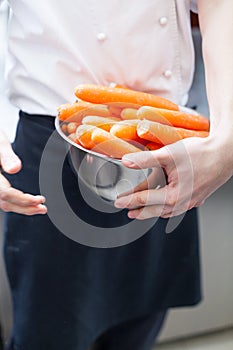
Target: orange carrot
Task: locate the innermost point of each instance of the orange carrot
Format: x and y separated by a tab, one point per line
129	113
101	122
73	138
104	94
175	118
152	146
66	110
83	134
116	108
126	129
165	134
74	112
64	128
71	127
111	145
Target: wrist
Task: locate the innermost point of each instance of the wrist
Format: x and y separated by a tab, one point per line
220	144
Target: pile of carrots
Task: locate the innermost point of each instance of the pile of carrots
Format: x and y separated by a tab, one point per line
115	120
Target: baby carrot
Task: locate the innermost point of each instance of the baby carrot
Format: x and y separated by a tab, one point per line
152	146
64	128
105	94
74	112
175	118
111	145
83	134
66	110
73	138
101	122
126	129
129	113
71	127
165	134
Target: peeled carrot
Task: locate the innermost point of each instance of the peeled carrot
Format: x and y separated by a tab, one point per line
165	134
175	118
71	127
64	128
101	122
126	129
83	134
116	108
66	110
111	145
74	112
105	94
73	138
129	113
152	146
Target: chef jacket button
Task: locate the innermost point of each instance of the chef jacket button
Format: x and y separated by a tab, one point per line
163	21
101	36
167	73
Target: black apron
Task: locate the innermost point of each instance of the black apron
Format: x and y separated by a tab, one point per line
66	294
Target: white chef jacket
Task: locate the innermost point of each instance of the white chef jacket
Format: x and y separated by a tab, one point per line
55	45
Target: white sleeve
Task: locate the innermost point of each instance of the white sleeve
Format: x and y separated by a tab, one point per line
193	6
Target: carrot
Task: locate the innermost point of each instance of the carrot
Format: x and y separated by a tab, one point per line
73	138
74	112
101	122
129	113
175	118
126	129
83	134
66	110
111	145
64	128
116	108
71	127
104	94
165	134
152	146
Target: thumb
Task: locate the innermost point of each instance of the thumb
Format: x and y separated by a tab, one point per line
9	161
147	159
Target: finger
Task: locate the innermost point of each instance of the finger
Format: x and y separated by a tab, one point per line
143	198
17	197
156	179
149	212
29	210
147	159
9	161
12	195
152	211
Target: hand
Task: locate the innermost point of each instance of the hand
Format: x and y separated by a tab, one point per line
195	168
11	199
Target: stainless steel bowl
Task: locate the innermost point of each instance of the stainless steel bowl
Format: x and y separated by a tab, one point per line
106	177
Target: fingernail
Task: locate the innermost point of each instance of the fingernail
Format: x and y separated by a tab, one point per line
42	198
42	209
128	162
131	215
